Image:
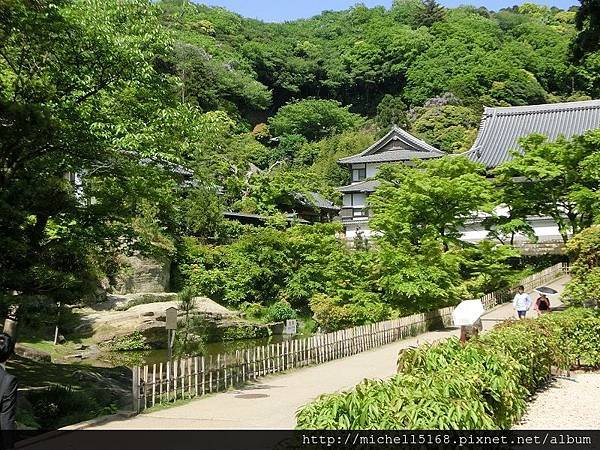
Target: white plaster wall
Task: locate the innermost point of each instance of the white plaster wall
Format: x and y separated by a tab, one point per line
353	228
545	229
372	169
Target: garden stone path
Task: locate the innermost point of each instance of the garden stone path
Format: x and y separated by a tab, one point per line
272	402
568	403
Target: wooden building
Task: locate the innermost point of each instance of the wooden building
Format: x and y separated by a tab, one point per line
499	134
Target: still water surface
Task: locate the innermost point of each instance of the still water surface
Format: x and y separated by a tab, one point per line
114	359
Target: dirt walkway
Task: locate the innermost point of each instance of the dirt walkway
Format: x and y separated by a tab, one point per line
571	403
271	403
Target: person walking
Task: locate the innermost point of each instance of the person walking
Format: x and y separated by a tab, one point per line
542	304
522	302
8	393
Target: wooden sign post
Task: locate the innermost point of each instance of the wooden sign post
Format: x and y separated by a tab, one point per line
171	326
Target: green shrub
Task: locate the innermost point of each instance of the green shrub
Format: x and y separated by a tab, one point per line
481	385
59	406
533	344
332	313
280	312
254	311
244	332
584	289
584	251
442	401
577	330
131	342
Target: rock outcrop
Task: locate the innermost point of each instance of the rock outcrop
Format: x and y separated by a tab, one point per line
143	275
32	353
149	320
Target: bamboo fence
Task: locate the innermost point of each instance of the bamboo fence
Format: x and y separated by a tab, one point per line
187	378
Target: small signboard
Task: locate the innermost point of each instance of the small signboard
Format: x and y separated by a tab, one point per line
171	314
291	326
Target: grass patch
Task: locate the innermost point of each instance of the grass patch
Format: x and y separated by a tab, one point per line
63	394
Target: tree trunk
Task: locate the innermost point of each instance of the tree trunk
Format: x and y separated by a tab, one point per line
10	323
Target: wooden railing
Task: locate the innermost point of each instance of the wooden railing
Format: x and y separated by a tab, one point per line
192	377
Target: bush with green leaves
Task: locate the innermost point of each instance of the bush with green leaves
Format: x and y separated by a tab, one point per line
269	264
281	311
130	342
58	406
584	251
333	313
240	332
483	384
254	311
313	119
578	331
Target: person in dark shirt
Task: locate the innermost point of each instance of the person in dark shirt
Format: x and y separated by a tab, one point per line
542	304
8	393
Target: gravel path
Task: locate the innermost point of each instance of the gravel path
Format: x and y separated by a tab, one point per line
567	404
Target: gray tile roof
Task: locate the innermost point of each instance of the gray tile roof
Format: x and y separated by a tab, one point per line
315	199
362	186
396	145
259	217
501	128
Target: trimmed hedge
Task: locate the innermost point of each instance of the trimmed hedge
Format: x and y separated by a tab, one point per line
481	385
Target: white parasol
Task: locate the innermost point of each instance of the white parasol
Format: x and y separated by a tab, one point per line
467	313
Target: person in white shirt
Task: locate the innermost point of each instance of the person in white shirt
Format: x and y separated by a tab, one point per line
522	302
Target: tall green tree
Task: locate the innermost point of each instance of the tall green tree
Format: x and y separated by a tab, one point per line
587	21
431	201
451	128
556	179
391	111
432	12
313	119
81	92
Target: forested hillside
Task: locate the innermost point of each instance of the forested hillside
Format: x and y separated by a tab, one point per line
171	113
419	65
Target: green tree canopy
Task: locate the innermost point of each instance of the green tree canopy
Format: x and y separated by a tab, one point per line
391	111
451	128
81	93
431	201
587	21
556	179
313	119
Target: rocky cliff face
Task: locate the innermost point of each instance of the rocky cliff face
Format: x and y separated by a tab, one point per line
143	275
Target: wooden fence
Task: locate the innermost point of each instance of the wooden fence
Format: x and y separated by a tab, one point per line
192	377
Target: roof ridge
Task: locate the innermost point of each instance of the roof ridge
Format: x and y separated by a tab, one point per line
541	108
400	133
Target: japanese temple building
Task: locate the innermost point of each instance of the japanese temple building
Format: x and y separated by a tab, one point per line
499	134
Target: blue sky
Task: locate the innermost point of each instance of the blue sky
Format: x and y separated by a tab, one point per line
281	10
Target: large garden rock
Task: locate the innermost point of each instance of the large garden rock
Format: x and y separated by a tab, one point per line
142	274
149	320
126	301
32	353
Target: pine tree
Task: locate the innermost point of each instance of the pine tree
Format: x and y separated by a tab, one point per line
587	21
432	12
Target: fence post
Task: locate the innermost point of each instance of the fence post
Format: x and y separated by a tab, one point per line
136	388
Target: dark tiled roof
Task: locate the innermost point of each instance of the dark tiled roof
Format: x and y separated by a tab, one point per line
391	156
315	199
501	128
397	145
363	186
258	217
